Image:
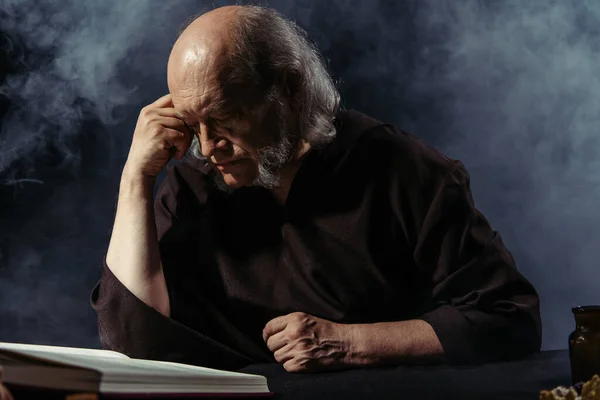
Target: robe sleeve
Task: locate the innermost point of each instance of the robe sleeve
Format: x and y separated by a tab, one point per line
128	325
481	307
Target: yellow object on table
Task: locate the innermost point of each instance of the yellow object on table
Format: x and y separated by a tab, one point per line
589	391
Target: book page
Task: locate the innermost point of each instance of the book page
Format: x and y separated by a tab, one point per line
137	369
48	351
123	374
110	361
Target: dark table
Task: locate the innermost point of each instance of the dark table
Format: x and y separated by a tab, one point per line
507	380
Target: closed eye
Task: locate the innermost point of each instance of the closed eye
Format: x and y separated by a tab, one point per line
221	123
216	124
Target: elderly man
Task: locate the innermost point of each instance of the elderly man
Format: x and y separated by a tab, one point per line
291	231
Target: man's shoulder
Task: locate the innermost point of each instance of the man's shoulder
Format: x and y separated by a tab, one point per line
351	123
386	145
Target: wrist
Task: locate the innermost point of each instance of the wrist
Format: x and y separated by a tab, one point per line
132	175
135	184
355	344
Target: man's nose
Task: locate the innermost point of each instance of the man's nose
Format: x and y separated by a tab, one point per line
211	143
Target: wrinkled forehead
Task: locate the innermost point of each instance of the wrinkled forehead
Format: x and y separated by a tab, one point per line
212	97
198	104
202	84
195	86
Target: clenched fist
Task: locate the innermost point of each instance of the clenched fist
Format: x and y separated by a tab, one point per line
159	135
305	343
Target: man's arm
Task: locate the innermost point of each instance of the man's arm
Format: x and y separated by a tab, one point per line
189	334
398	342
479	307
133	255
305	343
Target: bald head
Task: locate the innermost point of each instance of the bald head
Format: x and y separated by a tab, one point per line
203	48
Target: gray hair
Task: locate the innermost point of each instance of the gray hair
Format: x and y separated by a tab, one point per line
273	54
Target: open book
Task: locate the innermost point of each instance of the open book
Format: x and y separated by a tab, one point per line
112	373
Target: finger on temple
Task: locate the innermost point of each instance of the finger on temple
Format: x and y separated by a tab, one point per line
168	112
164	101
174	136
179	141
179	126
174	123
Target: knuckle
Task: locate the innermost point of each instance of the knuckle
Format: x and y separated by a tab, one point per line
162	145
296	331
146	111
304	344
152	130
299	316
161	132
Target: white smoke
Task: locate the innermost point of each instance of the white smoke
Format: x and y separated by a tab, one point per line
82	60
75	50
525	117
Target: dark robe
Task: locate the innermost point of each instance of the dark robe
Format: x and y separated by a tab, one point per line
378	226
